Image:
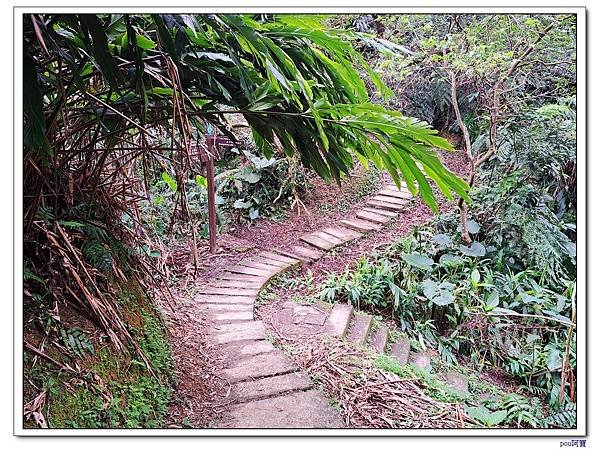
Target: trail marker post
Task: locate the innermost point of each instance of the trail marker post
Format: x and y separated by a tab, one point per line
207	157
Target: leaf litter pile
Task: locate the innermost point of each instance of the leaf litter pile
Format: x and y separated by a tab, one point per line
368	396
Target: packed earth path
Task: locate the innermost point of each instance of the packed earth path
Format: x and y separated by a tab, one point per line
267	389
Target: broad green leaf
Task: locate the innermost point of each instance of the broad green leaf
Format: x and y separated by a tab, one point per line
241	204
553	360
170	181
418	260
201	181
442	240
476	249
448	260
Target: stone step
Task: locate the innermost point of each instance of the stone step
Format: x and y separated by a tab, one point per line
234	292
233	316
239	284
400	350
318	242
396	194
360	225
304	409
338	320
226	299
379	338
254	331
385	205
345	234
372	217
393	187
303	253
237	351
250	271
246	391
420	359
381	212
457	381
229	276
359	328
329	237
254	264
393	200
277	257
219	308
259	366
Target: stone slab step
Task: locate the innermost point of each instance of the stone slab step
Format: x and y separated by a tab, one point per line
359	328
346	234
396	193
226	299
277	257
381	212
250	271
235	327
400	350
420	359
338	320
458	381
328	237
318	242
233	316
385	205
372	217
219	308
379	339
393	200
246	391
239	284
242	277
255	264
237	351
304	409
259	366
251	333
303	253
232	292
360	225
393	187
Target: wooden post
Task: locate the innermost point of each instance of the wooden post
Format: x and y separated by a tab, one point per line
210	185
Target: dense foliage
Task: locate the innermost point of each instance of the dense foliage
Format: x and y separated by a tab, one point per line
506	298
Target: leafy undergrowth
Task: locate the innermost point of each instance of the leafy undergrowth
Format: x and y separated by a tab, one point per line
472	307
82	382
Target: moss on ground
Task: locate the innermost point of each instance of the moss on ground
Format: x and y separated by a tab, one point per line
118	390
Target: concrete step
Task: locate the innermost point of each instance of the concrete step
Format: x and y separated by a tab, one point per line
379	338
381	212
343	233
339	318
359	328
246	391
319	242
259	366
303	409
303	253
277	257
262	265
360	225
372	217
396	193
400	350
390	199
385	205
